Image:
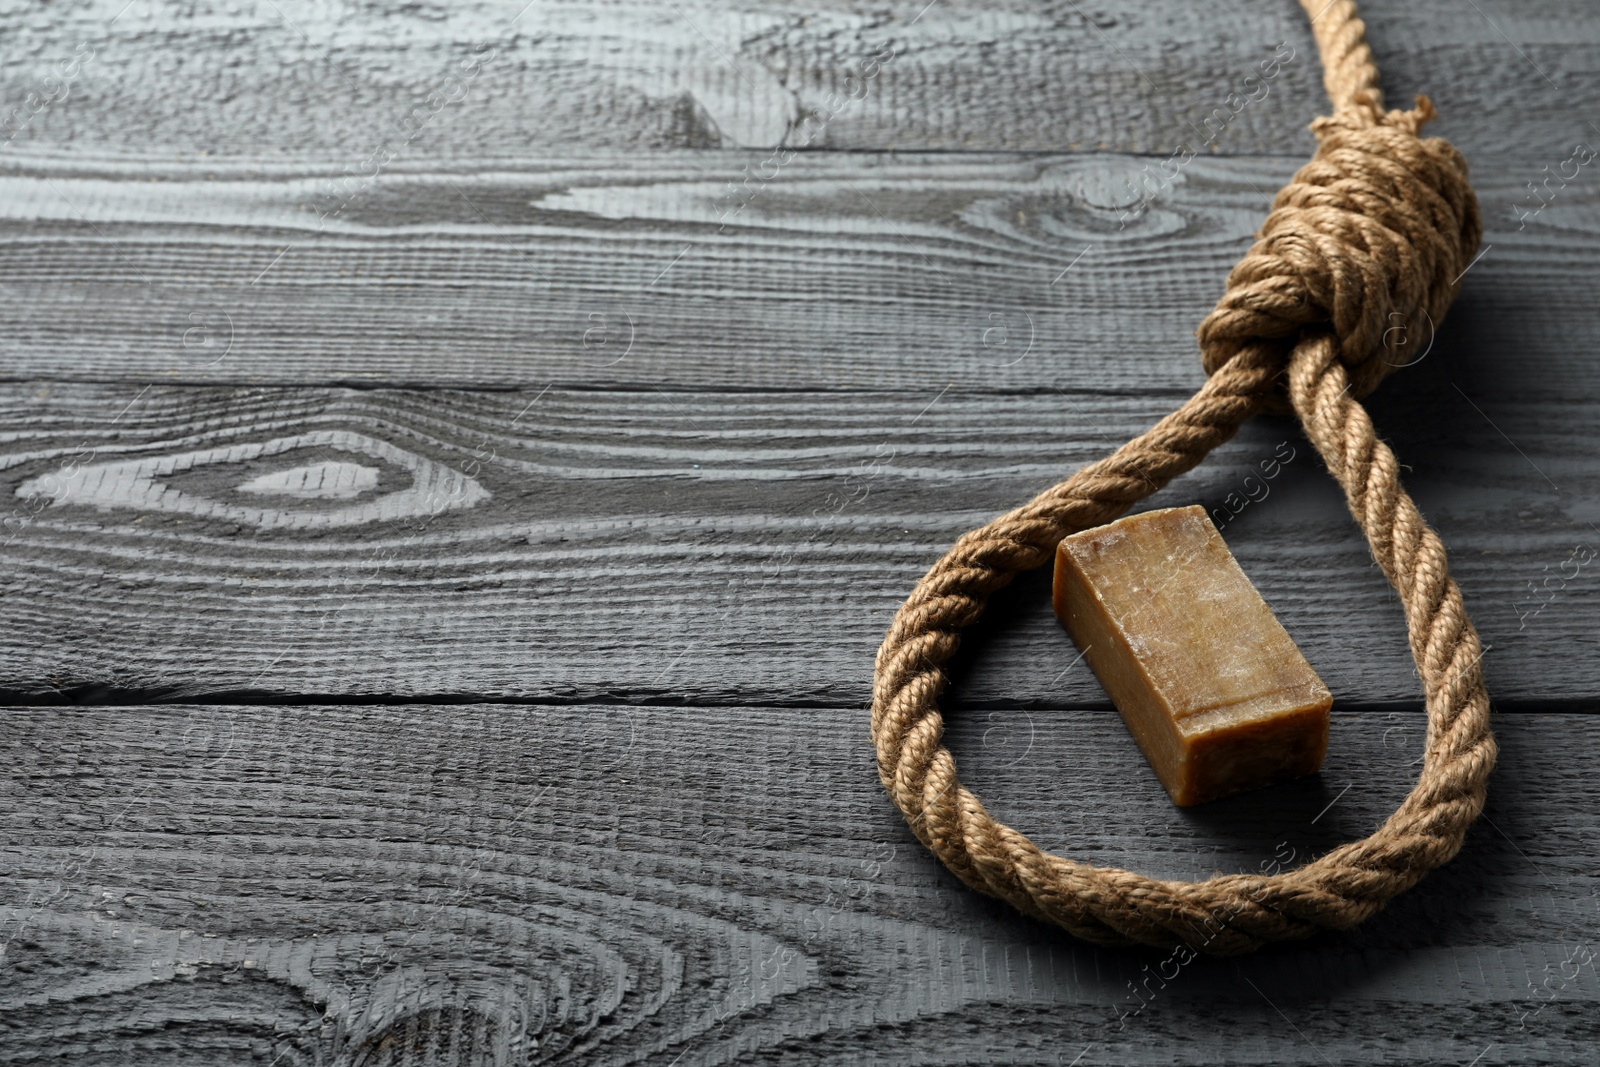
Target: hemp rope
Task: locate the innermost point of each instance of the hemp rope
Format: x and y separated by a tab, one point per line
1376	229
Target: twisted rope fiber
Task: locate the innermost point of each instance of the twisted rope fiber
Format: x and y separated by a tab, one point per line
1375	230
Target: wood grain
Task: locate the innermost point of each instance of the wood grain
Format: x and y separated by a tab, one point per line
843	272
488	80
651	546
510	461
613	884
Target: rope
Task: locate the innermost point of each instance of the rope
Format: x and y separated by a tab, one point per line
1375	231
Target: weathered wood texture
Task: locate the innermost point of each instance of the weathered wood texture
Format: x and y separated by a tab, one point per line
519	478
610	884
493	80
842	272
684	546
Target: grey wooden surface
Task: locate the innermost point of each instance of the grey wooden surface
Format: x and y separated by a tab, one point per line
454	474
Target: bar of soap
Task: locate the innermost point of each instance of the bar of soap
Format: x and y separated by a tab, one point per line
1208	681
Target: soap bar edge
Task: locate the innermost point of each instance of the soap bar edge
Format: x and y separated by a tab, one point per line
1192	755
1159	721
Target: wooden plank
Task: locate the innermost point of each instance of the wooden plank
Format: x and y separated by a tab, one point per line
489	80
705	547
847	272
580	418
491	884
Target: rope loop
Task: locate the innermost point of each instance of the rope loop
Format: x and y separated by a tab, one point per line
1375	231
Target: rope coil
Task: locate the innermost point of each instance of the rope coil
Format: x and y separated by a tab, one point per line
1376	230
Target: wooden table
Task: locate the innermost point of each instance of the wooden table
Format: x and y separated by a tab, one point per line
457	474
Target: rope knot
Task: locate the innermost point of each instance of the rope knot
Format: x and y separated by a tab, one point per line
1373	234
1368	242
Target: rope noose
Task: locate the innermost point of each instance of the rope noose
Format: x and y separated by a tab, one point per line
1375	230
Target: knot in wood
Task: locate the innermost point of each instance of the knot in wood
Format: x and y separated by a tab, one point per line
1368	242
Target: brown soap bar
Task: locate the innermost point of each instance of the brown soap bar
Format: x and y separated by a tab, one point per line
1208	681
